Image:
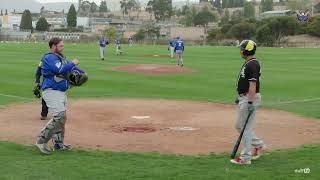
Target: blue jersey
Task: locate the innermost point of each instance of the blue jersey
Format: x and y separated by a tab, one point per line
103	42
179	45
54	67
117	42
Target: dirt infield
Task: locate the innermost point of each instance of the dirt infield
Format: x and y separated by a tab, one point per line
153	69
138	125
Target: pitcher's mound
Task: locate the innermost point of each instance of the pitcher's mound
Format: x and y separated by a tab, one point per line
182	127
153	69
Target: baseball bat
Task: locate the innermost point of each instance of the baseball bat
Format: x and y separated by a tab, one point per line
236	146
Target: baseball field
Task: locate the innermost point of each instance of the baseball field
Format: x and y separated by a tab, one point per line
160	121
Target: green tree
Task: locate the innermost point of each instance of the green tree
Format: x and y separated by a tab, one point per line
226	28
279	28
162	9
127	6
85	7
188	19
313	27
249	10
140	35
185	9
72	16
149	8
111	33
266	5
264	35
93	7
26	20
124	7
212	34
103	7
226	17
317	8
243	31
204	17
42	24
137	7
237	16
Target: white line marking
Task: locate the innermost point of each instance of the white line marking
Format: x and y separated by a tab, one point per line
140	117
13	96
294	101
183	128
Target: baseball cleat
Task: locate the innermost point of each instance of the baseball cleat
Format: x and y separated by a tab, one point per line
62	147
44	148
257	152
239	161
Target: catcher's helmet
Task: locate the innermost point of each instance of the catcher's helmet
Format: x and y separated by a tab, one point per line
77	77
248	47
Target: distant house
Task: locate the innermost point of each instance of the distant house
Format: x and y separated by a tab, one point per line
83	21
99	24
11	21
57	22
268	14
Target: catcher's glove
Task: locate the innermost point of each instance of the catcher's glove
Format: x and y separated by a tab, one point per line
37	90
77	77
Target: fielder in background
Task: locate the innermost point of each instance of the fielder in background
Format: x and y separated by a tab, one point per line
130	41
249	99
37	93
171	47
179	49
103	42
118	47
57	73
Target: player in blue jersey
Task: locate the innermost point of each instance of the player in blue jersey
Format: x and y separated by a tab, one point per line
103	42
118	47
179	49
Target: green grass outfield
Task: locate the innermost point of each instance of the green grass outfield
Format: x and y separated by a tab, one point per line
290	82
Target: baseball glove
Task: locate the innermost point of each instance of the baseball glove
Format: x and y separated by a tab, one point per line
77	77
37	90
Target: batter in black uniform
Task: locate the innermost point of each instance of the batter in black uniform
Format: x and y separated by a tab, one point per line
37	92
248	88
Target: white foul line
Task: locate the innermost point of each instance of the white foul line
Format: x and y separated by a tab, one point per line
294	101
13	96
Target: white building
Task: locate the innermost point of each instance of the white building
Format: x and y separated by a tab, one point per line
57	22
83	21
11	21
